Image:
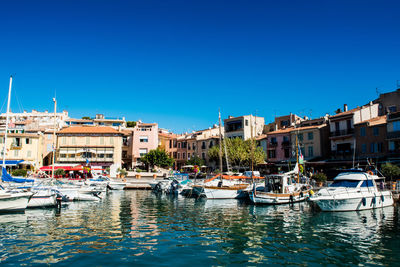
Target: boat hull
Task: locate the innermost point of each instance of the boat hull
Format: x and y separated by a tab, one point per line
43	200
356	203
14	202
116	186
229	192
277	199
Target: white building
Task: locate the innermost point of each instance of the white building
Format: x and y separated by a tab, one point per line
243	126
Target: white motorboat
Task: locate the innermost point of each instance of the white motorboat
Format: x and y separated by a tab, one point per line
13	200
353	190
42	198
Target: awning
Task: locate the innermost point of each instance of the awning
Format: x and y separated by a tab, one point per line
12	162
49	168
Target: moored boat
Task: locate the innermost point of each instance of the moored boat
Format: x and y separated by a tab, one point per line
353	190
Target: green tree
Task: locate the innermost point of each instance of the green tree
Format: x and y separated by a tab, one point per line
130	124
390	170
19	172
157	157
59	172
195	160
86	118
240	153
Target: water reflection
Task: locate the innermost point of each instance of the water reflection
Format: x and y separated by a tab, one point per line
142	228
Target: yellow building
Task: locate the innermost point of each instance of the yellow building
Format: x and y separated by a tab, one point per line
23	147
96	145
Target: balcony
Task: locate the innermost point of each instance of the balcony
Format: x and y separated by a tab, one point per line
80	159
342	154
393	135
272	144
342	132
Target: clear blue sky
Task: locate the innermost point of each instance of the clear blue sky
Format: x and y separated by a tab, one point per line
177	62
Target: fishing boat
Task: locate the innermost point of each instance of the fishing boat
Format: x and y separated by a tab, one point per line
353	190
280	189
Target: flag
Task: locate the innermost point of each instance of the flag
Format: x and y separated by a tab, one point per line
301	157
87	161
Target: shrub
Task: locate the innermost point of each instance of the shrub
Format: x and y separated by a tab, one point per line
59	172
319	177
19	172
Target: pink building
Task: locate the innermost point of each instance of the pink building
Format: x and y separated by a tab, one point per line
144	139
279	145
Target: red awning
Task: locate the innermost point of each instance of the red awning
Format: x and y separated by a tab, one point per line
49	168
77	168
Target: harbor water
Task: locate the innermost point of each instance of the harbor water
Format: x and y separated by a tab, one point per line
140	228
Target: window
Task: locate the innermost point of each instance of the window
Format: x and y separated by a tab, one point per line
63	155
247	122
203	145
271	154
287	154
273	140
348	124
189	146
28	141
109	156
372	148
179	145
170	143
286	139
188	155
392	146
310	136
183	155
337	126
396	126
142	151
17	142
380	147
49	137
211	144
362	131
29	153
367	183
179	155
344	183
392	109
311	151
376	131
364	148
175	155
194	146
143	139
300	137
203	155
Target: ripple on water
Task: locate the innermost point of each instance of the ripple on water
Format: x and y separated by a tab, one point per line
139	227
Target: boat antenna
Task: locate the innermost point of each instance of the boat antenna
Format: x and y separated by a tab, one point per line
220	143
7	121
54	137
251	151
354	152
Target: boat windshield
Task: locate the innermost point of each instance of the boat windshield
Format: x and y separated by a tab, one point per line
344	183
367	183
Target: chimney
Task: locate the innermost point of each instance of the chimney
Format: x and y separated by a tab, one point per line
345	108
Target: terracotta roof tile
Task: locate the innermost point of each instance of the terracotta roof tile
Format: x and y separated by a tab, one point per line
374	121
89	130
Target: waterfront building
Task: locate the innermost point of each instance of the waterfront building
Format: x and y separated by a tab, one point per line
98	120
241	126
127	148
33	120
371	139
312	140
341	125
388	102
279	145
393	136
144	139
95	145
23	150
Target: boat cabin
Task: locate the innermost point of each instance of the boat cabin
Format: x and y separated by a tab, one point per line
355	180
278	183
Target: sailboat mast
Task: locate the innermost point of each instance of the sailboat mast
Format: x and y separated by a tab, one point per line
54	138
297	160
251	149
7	121
220	143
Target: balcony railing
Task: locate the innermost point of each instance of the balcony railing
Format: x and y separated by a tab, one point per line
272	144
342	154
79	159
342	132
393	135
